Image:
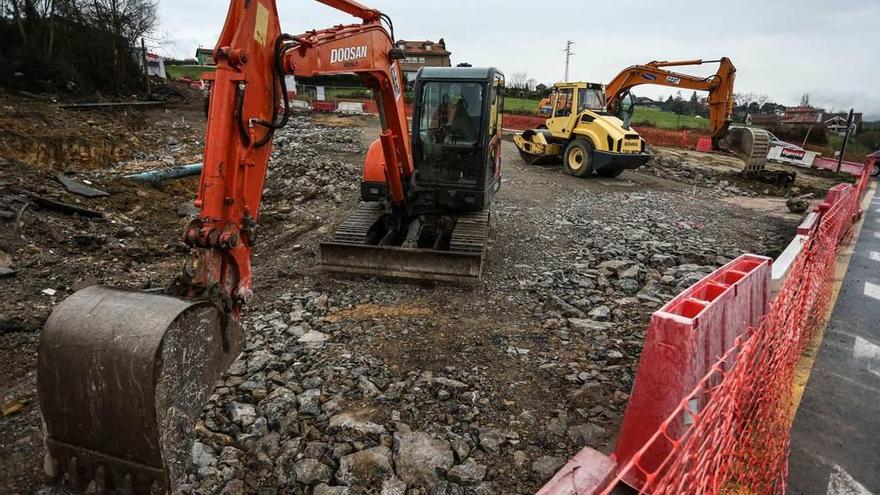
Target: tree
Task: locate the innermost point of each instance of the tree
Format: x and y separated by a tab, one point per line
518	80
86	43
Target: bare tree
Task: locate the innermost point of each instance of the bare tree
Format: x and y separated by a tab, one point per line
518	80
128	19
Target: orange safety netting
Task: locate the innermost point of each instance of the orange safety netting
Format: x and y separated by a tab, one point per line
739	442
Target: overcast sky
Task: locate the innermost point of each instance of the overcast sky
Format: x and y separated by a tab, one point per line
781	48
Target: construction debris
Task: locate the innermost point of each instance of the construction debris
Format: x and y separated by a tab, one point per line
62	207
81	188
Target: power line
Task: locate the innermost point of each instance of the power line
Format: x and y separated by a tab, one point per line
568	55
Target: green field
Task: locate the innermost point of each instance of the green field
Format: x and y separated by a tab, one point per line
668	120
642	115
520	105
190	71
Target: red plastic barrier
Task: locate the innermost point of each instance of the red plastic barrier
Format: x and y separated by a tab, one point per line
324	106
852	168
704	144
685	338
370	107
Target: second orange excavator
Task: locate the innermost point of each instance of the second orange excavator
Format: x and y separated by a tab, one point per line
748	143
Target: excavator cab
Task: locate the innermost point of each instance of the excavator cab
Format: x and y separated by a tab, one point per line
440	232
454	135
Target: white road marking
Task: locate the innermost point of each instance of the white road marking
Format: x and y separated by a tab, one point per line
841	483
874	255
865	349
872	290
877	235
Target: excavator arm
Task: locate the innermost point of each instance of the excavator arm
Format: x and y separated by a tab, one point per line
719	86
750	144
123	375
252	58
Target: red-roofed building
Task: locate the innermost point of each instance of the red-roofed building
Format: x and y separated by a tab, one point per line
423	54
802	115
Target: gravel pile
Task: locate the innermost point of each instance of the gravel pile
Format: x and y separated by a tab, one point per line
723	184
306	162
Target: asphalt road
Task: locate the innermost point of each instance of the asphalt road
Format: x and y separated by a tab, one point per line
835	444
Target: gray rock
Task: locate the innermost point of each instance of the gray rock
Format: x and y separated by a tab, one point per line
311	471
491	439
588	327
310	403
614	265
586	434
546	466
468	473
393	486
613	356
323	489
600	313
629	272
242	414
450	383
277	404
203	455
234	487
365	468
258	360
418	456
358	422
314	336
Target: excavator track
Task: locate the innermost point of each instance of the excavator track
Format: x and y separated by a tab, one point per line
470	233
350	250
356	228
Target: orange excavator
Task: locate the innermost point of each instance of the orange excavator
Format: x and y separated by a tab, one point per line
123	375
750	144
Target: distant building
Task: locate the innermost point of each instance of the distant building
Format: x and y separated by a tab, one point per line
644	101
205	56
423	54
807	115
801	115
836	122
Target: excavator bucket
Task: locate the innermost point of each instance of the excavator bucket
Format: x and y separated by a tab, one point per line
357	249
122	378
750	144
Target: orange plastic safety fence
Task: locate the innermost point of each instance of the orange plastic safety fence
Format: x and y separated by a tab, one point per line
738	443
669	138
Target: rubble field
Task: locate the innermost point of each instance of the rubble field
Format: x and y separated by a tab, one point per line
352	385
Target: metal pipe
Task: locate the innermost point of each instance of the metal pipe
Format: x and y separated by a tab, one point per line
163	174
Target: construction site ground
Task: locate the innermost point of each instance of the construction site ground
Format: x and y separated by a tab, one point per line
361	385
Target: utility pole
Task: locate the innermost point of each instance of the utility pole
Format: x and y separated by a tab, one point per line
849	121
568	55
146	68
